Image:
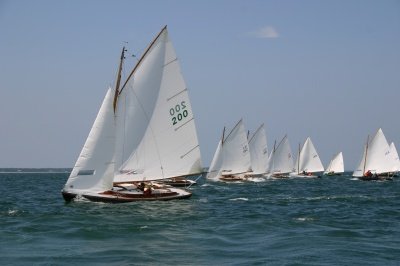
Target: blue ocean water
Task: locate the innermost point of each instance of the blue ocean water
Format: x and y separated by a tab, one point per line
326	221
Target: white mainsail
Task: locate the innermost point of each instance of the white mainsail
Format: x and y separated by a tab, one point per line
94	169
281	159
308	159
259	151
336	165
157	138
376	157
232	155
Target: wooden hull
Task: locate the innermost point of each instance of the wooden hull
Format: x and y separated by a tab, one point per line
112	196
231	178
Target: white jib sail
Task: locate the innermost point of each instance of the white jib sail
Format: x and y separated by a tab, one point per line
309	158
94	169
215	167
259	151
336	165
160	138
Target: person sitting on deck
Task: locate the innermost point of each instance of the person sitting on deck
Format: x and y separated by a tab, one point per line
368	173
147	189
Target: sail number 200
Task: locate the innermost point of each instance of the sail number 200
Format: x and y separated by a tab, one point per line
178	112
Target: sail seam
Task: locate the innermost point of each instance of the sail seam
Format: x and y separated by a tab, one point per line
176	129
189	151
173	96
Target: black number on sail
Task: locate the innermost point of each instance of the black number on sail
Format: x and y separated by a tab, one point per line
178	113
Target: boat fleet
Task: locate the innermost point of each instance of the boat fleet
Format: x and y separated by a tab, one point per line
143	144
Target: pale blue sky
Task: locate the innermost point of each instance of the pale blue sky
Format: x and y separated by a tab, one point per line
325	69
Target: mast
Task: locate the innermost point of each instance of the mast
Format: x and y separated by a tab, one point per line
223	136
118	78
366	153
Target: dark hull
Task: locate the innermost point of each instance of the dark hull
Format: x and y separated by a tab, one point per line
178	183
375	178
121	197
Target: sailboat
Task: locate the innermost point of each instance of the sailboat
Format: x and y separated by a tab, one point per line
231	161
280	162
336	165
144	132
377	161
396	160
308	162
258	153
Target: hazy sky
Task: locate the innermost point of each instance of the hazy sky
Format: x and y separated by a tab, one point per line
325	69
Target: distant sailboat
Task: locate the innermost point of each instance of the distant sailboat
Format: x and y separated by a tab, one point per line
308	162
336	165
231	160
258	152
144	131
280	162
377	161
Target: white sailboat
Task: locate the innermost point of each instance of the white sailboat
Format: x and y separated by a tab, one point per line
280	162
144	131
231	160
336	165
308	162
377	161
258	152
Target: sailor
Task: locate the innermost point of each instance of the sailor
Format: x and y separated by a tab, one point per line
147	189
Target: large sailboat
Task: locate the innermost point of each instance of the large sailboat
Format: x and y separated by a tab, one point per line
144	132
280	162
377	162
258	152
336	165
231	161
308	163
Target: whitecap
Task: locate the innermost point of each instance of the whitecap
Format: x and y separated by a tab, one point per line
304	219
243	199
